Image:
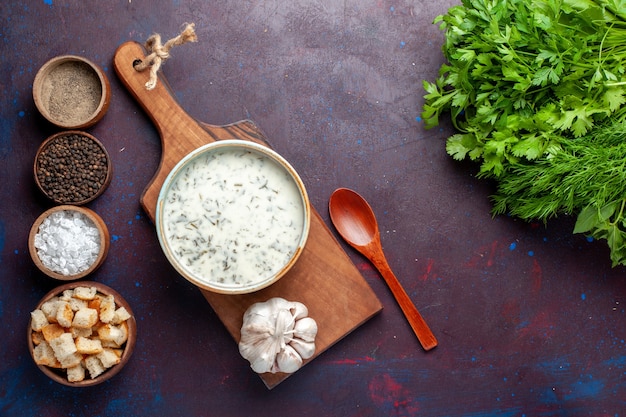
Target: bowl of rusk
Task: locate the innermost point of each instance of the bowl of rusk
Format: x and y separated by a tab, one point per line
233	217
81	333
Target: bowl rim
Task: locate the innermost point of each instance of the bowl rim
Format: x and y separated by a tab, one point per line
109	168
104	241
129	347
266	152
53	63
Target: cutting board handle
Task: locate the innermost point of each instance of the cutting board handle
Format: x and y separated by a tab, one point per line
159	103
179	132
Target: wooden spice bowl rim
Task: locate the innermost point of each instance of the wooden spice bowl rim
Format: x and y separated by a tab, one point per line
40	85
237	145
109	168
129	346
104	242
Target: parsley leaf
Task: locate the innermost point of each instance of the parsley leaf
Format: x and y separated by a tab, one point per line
512	57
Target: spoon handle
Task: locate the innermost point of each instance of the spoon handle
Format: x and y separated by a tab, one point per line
415	319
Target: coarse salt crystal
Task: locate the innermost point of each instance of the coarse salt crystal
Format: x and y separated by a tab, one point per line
67	242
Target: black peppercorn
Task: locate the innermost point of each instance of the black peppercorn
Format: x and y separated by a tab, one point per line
72	168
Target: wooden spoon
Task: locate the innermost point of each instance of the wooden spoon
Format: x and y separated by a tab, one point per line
355	221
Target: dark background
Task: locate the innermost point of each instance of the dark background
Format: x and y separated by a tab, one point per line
530	318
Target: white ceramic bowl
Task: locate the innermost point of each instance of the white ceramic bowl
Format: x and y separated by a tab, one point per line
233	217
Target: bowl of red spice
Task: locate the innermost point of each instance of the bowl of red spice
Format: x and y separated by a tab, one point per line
68	242
72	167
71	92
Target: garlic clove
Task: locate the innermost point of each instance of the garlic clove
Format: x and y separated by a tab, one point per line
258	310
304	349
299	310
260	354
257	325
262	363
275	304
284	327
305	329
258	343
288	360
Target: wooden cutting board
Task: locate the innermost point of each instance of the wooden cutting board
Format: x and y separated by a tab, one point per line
324	278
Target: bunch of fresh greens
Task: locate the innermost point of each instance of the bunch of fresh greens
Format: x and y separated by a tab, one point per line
536	90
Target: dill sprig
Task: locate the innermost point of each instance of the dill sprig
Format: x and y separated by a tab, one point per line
585	177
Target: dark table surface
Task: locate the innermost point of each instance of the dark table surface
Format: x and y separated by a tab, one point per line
530	318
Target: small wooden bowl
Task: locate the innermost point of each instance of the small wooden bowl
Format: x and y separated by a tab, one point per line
59	375
73	180
97	222
71	92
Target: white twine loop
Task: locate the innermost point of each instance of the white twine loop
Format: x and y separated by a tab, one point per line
160	53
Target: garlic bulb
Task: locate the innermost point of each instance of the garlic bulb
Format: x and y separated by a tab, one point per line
277	335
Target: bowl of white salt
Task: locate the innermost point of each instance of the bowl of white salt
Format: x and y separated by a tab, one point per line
68	242
71	92
233	217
